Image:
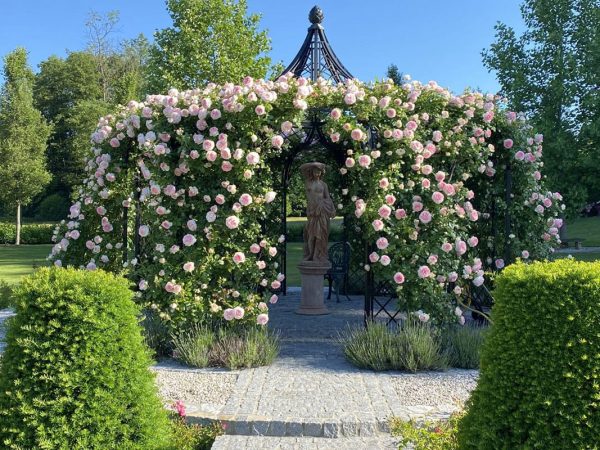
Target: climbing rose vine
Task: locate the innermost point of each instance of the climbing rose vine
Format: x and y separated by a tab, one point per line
197	173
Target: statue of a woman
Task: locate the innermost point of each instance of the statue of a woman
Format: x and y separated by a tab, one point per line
319	210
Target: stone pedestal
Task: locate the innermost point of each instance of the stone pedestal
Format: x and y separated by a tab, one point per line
312	297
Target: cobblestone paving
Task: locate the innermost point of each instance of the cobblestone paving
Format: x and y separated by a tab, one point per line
294	443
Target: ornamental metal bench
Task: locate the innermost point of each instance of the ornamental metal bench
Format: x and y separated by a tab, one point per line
339	257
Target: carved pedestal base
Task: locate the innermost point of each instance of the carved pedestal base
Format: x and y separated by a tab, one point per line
313	298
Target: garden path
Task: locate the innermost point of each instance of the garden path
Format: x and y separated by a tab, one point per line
312	391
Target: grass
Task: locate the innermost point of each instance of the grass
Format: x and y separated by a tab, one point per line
586	228
18	261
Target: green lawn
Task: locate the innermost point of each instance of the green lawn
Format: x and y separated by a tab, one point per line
17	261
587	228
592	256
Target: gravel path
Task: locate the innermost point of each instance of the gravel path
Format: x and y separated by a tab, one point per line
435	388
201	389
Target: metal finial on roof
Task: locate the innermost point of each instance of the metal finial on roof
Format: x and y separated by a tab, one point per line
316	58
316	15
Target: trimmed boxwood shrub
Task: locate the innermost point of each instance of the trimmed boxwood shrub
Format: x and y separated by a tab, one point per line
31	233
74	374
539	385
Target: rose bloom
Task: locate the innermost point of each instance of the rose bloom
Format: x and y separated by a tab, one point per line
226	166
166	224
245	199
499	263
377	225
437	197
287	126
460	247
364	161
425	217
188	240
424	272
192	225
478	281
239	257
384	183
272	251
390	199
432	259
270	196
399	277
382	243
228	314
508	143
262	319
373	257
385	260
400	213
335	113
473	241
417	206
252	158
255	248
261	265
525	254
356	134
144	230
385	211
350	162
238	312
189	266
232	222
273	299
277	141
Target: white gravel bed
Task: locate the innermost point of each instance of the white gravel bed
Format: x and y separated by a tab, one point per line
435	388
206	389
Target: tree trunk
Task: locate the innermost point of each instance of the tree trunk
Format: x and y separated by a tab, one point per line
18	237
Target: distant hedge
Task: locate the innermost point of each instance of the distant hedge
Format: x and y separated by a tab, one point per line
295	231
31	233
539	385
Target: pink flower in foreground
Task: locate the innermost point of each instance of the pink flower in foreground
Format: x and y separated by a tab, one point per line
144	230
189	266
446	247
179	407
525	254
270	196
499	263
245	199
277	141
373	257
273	299
350	162
400	213
385	260
255	248
357	134
508	143
377	225
385	211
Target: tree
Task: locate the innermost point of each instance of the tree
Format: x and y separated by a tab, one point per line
210	40
23	136
550	73
394	73
61	85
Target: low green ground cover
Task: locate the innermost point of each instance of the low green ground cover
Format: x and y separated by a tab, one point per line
18	261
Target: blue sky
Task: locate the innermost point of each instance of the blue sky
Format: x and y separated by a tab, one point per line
430	40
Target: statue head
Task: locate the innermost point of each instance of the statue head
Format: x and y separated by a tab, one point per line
313	170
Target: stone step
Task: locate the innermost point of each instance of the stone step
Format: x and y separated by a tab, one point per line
229	442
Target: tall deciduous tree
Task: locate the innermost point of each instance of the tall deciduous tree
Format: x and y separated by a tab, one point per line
210	40
550	72
23	136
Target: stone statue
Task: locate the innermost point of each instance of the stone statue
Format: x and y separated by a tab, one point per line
319	210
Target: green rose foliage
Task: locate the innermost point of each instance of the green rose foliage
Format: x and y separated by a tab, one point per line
74	374
540	366
206	165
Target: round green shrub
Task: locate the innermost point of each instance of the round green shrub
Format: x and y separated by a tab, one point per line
54	207
539	385
74	374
